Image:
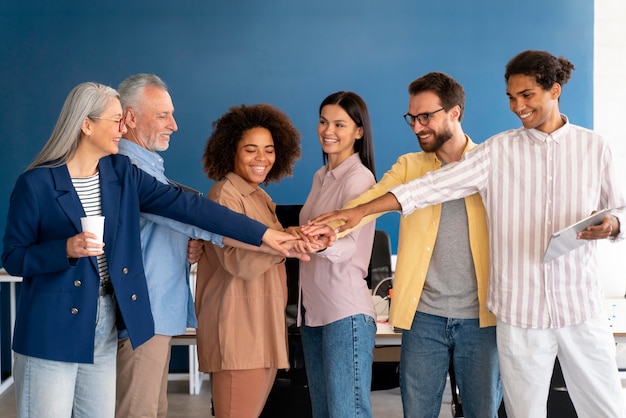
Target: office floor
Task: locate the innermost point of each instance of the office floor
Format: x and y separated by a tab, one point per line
385	403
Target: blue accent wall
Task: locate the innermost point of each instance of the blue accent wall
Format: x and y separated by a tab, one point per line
289	53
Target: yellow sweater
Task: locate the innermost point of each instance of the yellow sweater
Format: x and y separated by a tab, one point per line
418	232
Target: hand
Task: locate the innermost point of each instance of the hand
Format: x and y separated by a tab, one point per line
78	246
350	217
609	227
195	248
299	256
321	233
274	239
295	231
303	247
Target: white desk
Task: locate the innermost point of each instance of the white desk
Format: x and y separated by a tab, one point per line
195	376
385	335
615	309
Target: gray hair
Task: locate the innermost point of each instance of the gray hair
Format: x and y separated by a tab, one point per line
86	100
131	88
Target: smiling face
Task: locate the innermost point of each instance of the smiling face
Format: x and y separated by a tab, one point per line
537	108
437	131
337	134
255	155
152	122
104	133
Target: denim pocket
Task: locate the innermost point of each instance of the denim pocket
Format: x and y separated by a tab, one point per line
369	320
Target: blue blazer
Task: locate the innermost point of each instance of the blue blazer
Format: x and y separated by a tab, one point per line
56	311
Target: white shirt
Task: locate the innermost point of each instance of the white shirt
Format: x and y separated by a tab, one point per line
532	184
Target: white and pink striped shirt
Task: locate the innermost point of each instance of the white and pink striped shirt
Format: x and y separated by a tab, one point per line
532	184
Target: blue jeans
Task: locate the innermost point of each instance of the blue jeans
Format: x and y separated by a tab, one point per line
424	359
57	389
338	359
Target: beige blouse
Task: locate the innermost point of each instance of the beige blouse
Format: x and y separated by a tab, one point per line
241	295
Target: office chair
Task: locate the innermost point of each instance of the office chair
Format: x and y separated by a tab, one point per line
380	263
379	276
385	375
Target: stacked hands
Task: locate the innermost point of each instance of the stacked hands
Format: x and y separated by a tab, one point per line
295	241
303	242
336	221
316	235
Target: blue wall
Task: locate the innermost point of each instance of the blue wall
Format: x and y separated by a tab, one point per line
288	53
285	52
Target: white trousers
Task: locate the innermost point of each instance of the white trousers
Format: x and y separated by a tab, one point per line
587	356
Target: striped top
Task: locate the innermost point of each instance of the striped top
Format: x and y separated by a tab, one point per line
88	190
532	184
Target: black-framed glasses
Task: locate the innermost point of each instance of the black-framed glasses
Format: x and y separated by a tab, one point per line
422	118
120	122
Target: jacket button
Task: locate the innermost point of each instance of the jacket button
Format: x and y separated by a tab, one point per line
74	311
125	270
133	297
77	283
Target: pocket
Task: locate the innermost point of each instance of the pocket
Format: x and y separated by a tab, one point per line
369	320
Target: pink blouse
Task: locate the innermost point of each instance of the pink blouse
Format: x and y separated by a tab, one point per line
332	284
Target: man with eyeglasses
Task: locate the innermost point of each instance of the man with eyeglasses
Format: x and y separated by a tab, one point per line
536	180
440	281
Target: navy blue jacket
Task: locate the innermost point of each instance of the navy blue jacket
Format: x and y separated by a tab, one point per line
56	312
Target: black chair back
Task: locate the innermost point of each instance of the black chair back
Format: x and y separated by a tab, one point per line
380	263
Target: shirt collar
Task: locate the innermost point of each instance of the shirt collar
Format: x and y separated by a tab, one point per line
140	155
553	136
240	184
345	166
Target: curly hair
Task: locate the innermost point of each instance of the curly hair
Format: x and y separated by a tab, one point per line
219	154
543	66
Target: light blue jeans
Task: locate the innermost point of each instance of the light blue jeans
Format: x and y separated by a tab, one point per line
338	359
57	389
424	359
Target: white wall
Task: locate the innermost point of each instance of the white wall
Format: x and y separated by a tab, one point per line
609	105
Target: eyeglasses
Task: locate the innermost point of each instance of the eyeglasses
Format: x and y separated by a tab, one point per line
422	118
120	122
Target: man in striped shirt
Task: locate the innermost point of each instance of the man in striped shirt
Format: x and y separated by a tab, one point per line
534	181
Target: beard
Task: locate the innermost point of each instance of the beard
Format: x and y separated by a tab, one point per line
440	139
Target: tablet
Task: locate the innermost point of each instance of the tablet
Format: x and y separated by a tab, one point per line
564	241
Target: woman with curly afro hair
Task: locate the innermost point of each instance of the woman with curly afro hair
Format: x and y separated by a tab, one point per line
219	154
241	295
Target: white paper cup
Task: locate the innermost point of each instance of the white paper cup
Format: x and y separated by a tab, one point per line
95	225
